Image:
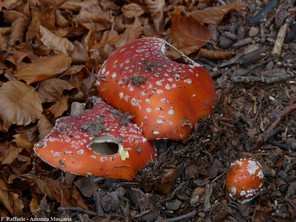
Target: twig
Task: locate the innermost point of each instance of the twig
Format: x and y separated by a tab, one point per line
89	212
253	56
256	19
278	144
242	42
288	110
179	187
262	32
279	75
291	108
217	177
279	42
289	200
179	218
208	194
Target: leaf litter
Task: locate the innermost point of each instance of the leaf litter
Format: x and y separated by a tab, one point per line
50	52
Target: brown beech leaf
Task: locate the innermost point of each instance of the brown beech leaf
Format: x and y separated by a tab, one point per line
10	154
188	32
55	43
51	90
18	28
22	141
44	127
9	4
3	42
74	5
59	107
89	39
33	26
214	15
167	181
156	7
61	21
216	54
101	19
20	104
42	69
132	10
80	54
10	200
132	32
55	190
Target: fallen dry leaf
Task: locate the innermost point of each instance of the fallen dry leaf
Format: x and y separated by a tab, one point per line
44	127
101	19
188	33
167	181
33	26
55	190
22	141
132	32
18	30
132	10
59	107
214	15
56	43
80	54
10	154
89	39
20	104
51	90
74	5
61	21
43	69
10	200
156	8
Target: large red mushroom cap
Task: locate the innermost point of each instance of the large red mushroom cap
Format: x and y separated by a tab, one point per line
97	142
167	98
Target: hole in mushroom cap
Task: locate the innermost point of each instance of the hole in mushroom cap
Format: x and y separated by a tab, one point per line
105	148
105	145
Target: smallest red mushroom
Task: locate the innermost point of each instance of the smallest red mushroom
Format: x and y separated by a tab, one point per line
244	180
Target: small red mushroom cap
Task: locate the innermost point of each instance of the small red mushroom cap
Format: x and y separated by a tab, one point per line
166	97
244	180
96	142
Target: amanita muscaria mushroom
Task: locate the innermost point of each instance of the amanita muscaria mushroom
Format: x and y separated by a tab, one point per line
97	142
244	180
167	98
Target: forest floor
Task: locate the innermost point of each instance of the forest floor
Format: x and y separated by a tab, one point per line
54	48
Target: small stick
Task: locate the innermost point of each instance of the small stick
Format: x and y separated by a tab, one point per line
208	194
279	42
263	79
291	108
171	196
288	110
231	36
268	77
242	42
182	217
262	32
256	19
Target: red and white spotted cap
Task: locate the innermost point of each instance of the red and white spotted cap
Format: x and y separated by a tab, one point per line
244	180
166	97
97	142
